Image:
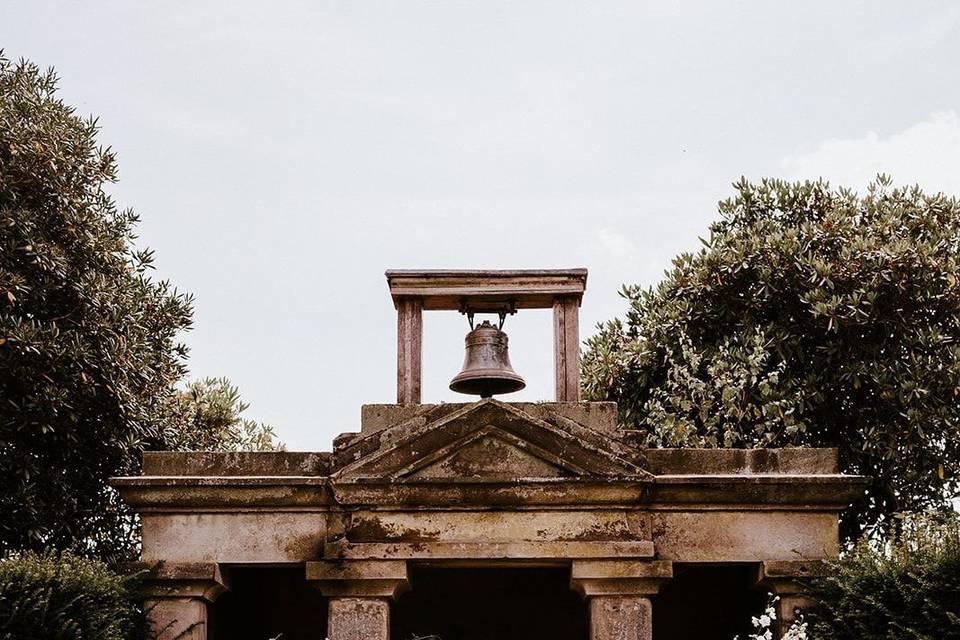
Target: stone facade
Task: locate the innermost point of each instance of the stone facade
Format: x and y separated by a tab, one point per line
483	484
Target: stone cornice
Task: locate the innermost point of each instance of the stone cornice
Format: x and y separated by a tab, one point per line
224	493
251	493
821	492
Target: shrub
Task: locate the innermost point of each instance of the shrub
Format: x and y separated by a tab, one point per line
45	597
908	588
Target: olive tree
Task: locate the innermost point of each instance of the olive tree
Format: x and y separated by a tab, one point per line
89	350
90	360
812	316
210	418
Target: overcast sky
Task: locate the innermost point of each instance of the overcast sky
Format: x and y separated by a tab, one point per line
284	154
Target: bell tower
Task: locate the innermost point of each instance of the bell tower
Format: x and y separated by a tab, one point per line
500	292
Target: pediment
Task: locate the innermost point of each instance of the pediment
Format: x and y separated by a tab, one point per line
489	441
492	454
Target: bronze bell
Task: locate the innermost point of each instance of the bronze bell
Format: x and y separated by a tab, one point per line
486	365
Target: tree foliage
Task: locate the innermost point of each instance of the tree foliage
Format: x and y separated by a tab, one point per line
811	316
209	419
88	341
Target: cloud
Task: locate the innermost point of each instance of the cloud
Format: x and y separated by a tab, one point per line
926	153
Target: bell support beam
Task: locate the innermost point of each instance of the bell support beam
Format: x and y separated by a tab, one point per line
487	291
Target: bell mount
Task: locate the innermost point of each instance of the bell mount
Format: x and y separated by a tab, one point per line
487	291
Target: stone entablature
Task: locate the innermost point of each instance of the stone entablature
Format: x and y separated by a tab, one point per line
492	484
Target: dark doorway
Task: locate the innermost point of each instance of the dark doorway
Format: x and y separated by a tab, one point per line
712	602
269	603
490	604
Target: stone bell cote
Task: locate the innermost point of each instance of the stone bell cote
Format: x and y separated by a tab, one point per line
483	518
501	292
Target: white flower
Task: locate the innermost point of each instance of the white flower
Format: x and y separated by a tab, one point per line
763	625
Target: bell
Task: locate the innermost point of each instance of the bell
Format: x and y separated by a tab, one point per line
486	365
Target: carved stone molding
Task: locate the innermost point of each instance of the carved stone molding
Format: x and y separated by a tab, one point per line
203	580
359	578
593	578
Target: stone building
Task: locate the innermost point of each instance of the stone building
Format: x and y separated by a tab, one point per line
481	520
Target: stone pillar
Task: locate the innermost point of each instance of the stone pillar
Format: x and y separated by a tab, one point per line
409	350
619	593
566	348
360	592
621	618
785	579
359	619
176	596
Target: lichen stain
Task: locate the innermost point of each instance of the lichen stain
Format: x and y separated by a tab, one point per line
364	529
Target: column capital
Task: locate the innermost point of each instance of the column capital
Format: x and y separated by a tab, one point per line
359	578
203	580
786	577
593	578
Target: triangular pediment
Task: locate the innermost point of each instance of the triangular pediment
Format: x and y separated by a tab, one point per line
489	441
489	453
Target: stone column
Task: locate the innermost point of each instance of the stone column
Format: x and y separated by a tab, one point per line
619	593
176	596
785	579
409	350
360	592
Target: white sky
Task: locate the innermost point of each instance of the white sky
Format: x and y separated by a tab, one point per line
284	154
